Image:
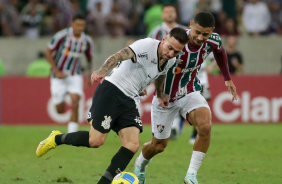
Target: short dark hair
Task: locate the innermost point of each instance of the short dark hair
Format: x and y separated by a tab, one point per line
179	34
79	16
166	5
204	19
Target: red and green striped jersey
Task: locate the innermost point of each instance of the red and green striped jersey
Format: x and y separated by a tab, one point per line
182	76
68	50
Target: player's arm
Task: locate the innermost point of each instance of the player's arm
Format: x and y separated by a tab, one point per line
59	74
112	62
163	98
221	60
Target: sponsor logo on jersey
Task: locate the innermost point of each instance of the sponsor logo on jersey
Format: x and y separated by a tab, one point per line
143	55
160	128
106	123
177	70
138	121
71	54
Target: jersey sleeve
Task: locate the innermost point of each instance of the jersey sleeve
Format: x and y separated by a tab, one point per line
140	48
57	40
89	49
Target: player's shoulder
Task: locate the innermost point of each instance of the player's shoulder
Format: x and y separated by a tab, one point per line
62	33
148	41
88	38
215	39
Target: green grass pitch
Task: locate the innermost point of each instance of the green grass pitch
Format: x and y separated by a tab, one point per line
238	154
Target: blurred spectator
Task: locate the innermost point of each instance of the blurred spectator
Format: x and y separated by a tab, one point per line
230	8
275	7
256	18
220	22
153	17
75	8
235	60
116	21
96	22
32	23
33	5
106	6
10	19
2	69
187	9
230	28
39	67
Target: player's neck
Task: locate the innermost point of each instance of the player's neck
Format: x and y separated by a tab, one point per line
77	37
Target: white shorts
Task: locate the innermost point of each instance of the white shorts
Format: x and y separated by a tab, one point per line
60	87
162	119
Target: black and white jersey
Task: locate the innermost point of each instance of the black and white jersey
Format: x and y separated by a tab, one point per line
132	76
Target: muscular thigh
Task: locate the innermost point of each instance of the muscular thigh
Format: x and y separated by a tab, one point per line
162	118
192	102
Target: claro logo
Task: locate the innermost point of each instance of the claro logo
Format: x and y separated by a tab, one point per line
257	109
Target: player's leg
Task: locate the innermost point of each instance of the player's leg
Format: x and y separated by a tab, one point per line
58	91
128	125
73	123
197	113
75	90
200	118
130	144
161	128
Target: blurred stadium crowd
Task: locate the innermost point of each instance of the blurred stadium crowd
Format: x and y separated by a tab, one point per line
36	18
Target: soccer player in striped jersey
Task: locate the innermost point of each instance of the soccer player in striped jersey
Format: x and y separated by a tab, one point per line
64	53
114	101
169	17
183	88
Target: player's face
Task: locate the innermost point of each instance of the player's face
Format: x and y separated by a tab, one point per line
169	14
78	26
198	34
171	47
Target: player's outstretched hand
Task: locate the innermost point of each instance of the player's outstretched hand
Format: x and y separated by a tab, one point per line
231	89
98	75
164	100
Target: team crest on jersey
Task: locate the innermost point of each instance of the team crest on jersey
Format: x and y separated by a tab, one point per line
143	55
138	121
160	128
106	123
193	60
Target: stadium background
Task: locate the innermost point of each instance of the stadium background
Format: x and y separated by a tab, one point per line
259	88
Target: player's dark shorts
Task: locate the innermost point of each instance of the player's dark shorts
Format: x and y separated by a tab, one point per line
112	109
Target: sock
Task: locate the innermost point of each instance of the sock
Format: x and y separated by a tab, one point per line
80	138
72	127
196	161
119	162
142	162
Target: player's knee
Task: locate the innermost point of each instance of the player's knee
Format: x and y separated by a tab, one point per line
60	108
159	147
95	143
204	129
132	146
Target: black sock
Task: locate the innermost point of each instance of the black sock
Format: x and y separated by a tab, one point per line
118	164
80	138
